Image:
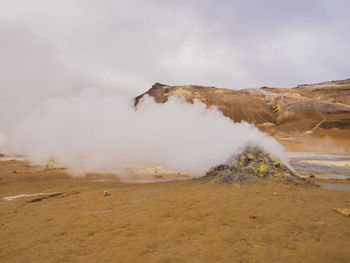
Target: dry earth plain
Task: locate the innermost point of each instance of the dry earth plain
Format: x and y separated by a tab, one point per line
179	221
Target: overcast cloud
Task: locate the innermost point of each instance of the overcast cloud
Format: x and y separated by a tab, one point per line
129	45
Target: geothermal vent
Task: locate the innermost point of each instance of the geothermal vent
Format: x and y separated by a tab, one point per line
251	166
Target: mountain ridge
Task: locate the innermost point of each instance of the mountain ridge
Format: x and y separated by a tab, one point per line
309	110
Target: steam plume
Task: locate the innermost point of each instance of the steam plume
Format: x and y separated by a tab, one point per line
95	131
48	111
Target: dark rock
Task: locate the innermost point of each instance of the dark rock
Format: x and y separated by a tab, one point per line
45	197
251	166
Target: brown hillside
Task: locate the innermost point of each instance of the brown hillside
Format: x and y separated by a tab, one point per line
312	112
236	105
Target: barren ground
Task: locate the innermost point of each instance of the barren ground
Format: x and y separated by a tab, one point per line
183	221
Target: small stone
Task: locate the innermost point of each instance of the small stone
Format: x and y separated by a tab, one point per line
14	172
343	211
311	176
252	217
106	193
276	163
274	193
250	156
243	160
261	175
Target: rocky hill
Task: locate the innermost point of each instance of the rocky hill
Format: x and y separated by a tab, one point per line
250	166
311	112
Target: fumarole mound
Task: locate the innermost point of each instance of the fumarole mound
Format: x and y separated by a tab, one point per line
251	166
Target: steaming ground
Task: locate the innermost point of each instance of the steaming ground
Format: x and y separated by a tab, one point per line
101	132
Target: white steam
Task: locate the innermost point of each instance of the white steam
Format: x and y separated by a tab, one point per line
95	131
45	112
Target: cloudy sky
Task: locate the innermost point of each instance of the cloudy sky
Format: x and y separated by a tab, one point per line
127	45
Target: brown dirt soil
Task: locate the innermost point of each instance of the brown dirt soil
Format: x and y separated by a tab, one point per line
183	221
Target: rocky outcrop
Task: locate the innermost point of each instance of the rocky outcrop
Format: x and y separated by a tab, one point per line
251	166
